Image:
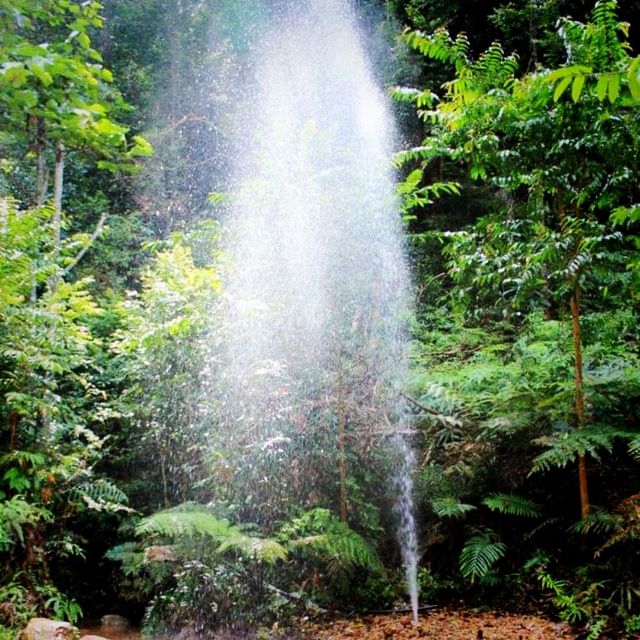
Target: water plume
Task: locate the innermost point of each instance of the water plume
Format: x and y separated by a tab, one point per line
318	288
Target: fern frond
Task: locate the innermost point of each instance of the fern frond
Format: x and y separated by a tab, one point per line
480	554
565	448
450	507
634	448
190	520
101	495
512	504
178	522
265	549
628	523
597	522
346	551
341	546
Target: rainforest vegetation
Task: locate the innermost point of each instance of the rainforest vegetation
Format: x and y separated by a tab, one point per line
121	488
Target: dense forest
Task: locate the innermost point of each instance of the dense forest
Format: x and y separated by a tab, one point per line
127	485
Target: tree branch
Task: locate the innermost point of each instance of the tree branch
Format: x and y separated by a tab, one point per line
94	236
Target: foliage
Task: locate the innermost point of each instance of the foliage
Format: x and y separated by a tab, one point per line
62	83
191	520
519	191
480	554
511	504
20	604
321	532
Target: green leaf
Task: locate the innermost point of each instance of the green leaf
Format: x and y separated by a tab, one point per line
480	554
17	479
632	78
601	87
107	127
42	75
141	148
613	88
511	504
14	73
576	87
84	40
561	87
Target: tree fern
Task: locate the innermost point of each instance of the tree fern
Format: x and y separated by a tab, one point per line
191	520
564	448
342	547
480	554
266	549
512	504
184	521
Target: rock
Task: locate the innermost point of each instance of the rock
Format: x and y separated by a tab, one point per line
159	553
92	637
114	621
44	629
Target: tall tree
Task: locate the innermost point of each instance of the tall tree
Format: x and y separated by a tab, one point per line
560	147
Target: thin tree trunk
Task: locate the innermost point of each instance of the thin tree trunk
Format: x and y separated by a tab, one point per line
94	236
585	506
41	162
342	460
163	470
58	182
14	419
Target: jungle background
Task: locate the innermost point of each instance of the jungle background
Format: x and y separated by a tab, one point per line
518	177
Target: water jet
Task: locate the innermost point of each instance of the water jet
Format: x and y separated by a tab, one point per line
318	288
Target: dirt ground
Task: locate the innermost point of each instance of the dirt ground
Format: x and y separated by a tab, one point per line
442	624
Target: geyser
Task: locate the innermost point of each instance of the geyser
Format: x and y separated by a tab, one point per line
318	287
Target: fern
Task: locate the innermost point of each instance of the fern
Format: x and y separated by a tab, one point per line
634	448
480	554
128	553
511	504
191	520
571	608
185	520
450	507
627	525
266	549
15	515
342	547
101	495
597	523
564	448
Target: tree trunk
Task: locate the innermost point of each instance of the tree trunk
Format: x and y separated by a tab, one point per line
342	460
14	419
41	162
585	506
58	182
